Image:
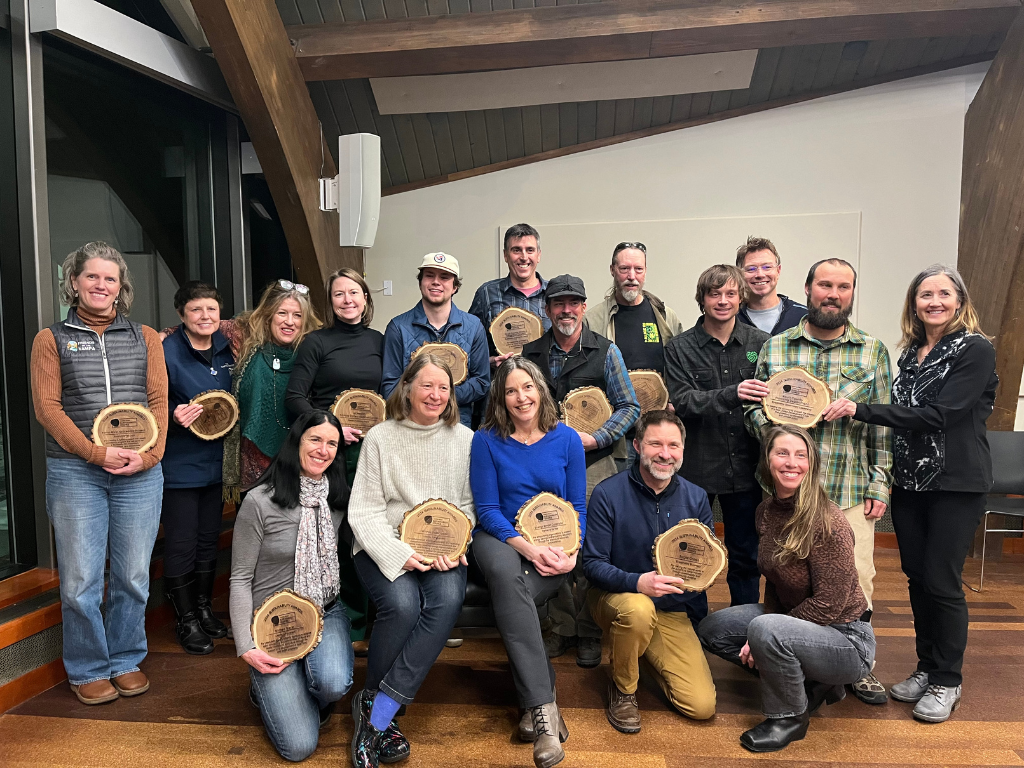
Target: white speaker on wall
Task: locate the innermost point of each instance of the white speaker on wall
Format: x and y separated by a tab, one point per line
355	191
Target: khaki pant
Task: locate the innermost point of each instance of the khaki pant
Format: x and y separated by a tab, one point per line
665	639
863	548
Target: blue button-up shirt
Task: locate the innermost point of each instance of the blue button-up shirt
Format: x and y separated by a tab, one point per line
410	330
495	296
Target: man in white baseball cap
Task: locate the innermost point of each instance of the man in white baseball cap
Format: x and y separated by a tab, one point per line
435	318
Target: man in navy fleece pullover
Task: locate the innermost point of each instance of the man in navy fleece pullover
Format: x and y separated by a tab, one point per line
642	613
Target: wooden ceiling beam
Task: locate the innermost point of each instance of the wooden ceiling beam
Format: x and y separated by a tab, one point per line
252	48
618	30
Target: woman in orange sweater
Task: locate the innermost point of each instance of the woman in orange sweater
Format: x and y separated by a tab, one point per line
100	497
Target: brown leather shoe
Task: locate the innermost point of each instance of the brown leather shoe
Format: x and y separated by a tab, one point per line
361	648
550	733
131	684
96	692
623	712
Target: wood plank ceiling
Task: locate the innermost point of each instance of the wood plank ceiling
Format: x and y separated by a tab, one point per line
422	149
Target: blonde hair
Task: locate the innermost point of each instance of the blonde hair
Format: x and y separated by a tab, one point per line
497	419
398	405
355	277
812	510
966	318
255	325
74	264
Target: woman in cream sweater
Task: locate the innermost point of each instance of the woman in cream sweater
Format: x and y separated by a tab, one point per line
421	452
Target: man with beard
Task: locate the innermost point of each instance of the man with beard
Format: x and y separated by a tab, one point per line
435	318
523	287
856	458
644	614
765	308
573	356
638	322
710	375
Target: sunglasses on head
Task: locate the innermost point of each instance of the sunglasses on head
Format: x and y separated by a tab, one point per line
288	285
624	245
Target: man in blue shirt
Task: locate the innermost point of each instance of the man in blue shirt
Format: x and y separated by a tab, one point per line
436	319
643	613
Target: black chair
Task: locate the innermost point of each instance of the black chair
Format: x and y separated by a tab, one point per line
1008	478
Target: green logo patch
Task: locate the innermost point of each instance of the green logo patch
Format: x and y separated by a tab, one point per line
651	335
752	357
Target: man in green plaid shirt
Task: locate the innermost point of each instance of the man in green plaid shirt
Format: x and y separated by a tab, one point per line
856	458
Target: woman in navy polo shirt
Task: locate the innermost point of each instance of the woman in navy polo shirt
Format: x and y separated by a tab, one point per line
198	359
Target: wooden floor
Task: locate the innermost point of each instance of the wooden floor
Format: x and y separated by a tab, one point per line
197	713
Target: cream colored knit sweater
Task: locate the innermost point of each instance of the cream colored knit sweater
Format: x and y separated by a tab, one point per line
401	465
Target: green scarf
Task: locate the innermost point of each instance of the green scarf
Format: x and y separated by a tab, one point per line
259	389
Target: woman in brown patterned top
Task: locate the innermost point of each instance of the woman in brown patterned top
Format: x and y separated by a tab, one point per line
806	639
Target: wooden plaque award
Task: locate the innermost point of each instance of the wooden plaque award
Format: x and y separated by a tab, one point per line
549	521
651	392
586	409
436	528
690	551
514	328
287	626
125	425
359	409
452	354
796	397
220	412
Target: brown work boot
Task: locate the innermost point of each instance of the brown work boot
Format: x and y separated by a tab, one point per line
623	712
526	734
96	692
550	731
131	683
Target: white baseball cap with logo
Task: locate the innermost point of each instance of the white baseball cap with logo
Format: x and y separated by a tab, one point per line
443	261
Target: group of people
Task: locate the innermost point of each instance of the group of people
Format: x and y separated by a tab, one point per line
322	503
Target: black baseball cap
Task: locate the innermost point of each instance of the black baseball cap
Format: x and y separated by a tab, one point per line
565	285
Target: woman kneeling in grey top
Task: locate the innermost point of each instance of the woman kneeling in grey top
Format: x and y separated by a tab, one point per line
286	537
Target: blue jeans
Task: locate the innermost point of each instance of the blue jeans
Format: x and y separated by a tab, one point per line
290	701
415	614
788	651
91	509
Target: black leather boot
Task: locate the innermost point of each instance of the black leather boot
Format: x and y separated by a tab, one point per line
819	693
205	573
394	747
365	738
178	589
775	733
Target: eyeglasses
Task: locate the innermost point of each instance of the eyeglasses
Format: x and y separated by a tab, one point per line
753	269
288	285
624	245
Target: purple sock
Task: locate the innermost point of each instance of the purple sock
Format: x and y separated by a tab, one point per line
383	711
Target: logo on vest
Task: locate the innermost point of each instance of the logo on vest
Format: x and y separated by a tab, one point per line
86	345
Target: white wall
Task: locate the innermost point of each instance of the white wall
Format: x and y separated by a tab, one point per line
873	175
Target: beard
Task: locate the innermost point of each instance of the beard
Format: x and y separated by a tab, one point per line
829	321
630	291
567	326
659	472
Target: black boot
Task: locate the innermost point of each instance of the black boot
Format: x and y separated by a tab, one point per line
819	693
365	738
775	733
206	572
178	589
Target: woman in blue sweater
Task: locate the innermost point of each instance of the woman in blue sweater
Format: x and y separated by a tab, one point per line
520	451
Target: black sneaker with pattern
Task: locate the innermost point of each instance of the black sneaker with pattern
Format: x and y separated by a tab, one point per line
394	747
365	738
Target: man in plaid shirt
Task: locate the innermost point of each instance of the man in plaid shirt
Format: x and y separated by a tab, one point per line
856	458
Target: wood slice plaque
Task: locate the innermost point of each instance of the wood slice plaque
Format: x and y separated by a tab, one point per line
514	328
452	354
586	409
287	626
651	392
220	412
690	551
547	520
796	397
436	528
125	425
359	409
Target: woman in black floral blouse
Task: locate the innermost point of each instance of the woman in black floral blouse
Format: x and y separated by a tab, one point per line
941	398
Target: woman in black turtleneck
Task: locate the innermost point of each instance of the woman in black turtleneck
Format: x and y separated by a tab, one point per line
345	354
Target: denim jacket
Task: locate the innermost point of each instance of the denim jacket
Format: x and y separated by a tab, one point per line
408	331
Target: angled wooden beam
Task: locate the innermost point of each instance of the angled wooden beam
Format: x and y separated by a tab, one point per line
252	48
991	254
618	30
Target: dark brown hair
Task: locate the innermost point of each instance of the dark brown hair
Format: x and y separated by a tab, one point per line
653	418
753	245
497	419
713	278
356	278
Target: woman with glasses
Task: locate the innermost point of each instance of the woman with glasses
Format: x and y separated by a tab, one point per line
346	354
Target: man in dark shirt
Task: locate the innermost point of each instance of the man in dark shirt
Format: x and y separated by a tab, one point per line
710	372
765	307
